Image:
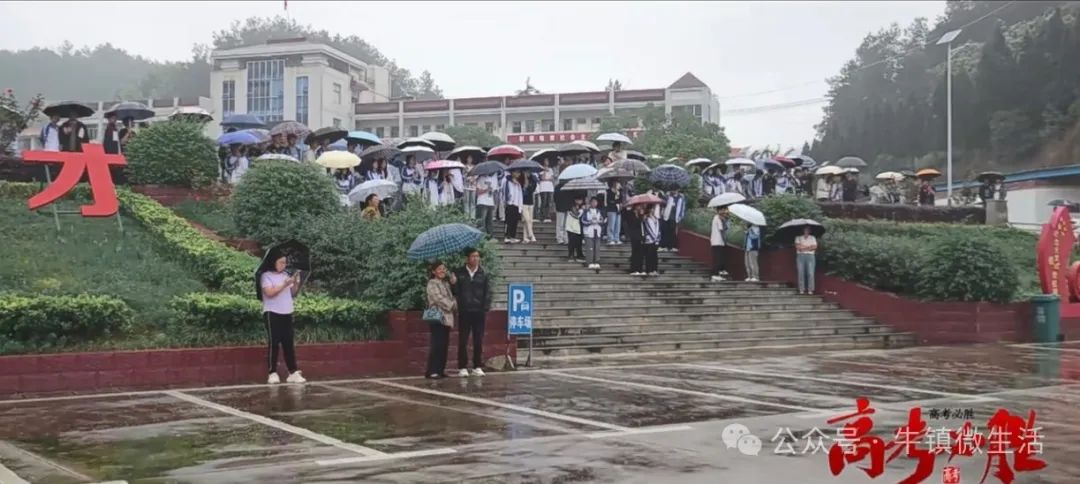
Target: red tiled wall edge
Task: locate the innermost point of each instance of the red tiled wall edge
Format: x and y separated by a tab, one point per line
930	322
404	353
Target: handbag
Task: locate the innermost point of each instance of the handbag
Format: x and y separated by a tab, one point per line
432	315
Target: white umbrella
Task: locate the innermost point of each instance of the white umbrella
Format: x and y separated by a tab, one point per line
851	170
889	175
579	170
382	188
829	170
740	162
748	214
588	144
276	156
615	138
698	161
416	142
542	153
338	159
421	153
725	199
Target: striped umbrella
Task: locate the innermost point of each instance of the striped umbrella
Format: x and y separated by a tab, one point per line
670	177
588	183
636	166
443	240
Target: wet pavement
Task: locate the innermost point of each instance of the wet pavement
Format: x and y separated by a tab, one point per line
644	418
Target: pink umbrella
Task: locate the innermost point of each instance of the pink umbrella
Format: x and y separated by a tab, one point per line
443	165
506	151
788	162
644	199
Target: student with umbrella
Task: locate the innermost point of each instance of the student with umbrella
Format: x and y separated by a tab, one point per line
277	289
546	189
805	233
50	134
111	137
73	135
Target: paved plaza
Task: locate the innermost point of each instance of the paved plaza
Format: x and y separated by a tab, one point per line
630	418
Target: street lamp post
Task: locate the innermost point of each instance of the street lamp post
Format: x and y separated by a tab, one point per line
947	39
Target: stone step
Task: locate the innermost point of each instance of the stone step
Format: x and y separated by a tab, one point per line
859	341
631	293
581	269
605	260
691	336
617	328
542	245
581	276
641	300
692	316
658	284
628	308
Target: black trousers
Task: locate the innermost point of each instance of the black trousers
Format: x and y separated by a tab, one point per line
545	206
669	231
651	259
637	256
471	322
575	248
279	331
513	216
440	345
718	263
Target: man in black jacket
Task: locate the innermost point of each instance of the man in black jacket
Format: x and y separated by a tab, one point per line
564	201
473	290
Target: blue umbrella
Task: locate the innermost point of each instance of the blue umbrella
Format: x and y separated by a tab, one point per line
670	177
443	240
580	170
364	138
262	134
238	138
339	145
242	121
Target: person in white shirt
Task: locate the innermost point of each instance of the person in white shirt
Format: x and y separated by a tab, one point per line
805	249
236	165
50	134
592	223
716	240
546	189
821	188
673	212
431	187
573	229
515	202
446	188
652	240
485	201
735	185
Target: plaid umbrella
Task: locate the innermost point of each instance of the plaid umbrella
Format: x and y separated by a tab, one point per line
631	165
487	168
133	110
525	165
443	240
588	183
379	151
297	254
287	128
670	177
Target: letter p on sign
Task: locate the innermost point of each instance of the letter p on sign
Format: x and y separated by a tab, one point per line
517	298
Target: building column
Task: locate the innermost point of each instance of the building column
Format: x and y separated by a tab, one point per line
611	101
558	122
401	119
451	123
503	128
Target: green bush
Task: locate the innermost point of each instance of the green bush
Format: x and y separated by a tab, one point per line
172	154
274	199
367	259
43	322
966	269
217	265
886	263
782	208
231	312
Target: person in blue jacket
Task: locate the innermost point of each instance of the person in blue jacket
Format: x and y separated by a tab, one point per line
751	246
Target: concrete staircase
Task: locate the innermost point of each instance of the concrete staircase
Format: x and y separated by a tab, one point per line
580	311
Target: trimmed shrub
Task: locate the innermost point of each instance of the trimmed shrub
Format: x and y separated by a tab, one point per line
966	269
231	312
886	263
217	265
175	153
44	322
782	208
905	213
275	198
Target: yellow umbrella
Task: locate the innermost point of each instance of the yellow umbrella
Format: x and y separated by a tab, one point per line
338	159
930	172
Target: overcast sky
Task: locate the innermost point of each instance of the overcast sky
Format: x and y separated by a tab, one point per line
489	48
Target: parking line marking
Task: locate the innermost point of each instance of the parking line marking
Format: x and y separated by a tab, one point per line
1045	346
7	476
517	408
395	455
649	430
689	392
325	439
10	448
384	396
701	350
835	381
915	368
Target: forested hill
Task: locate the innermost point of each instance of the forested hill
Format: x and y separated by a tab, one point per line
1016	91
106	72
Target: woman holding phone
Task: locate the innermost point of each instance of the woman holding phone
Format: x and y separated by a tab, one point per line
278	290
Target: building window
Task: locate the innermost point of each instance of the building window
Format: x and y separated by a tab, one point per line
548	125
440	127
266	89
691	109
530	126
489	127
337	92
302	100
380	131
394	132
337	123
568	124
517	126
414	131
426	128
581	123
596	122
228	97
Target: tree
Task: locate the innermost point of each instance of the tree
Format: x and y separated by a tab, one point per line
472	136
14	118
427	88
529	89
615	85
805	150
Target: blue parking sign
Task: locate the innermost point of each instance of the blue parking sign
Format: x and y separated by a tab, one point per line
520	309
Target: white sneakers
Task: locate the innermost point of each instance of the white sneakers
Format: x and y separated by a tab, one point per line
637	273
751	279
465	373
478	372
594	266
296	377
654	273
718	279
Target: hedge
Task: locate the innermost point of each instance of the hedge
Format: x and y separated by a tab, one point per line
173	153
214	311
905	213
41	322
275	198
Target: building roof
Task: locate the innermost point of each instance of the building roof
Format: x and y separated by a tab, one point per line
687	81
285	48
1022	176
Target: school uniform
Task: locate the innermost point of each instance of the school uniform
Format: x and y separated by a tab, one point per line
673	213
635	233
592	221
652	240
751	246
716	240
573	233
515	201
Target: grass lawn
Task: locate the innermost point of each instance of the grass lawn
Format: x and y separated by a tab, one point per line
88	256
214	215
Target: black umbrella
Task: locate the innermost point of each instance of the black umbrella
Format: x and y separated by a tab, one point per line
525	165
329	134
990	176
1064	202
635	155
487	168
572	149
68	109
243	121
298	255
131	109
794	228
851	162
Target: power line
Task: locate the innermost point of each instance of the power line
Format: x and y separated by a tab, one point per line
773	107
872	64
